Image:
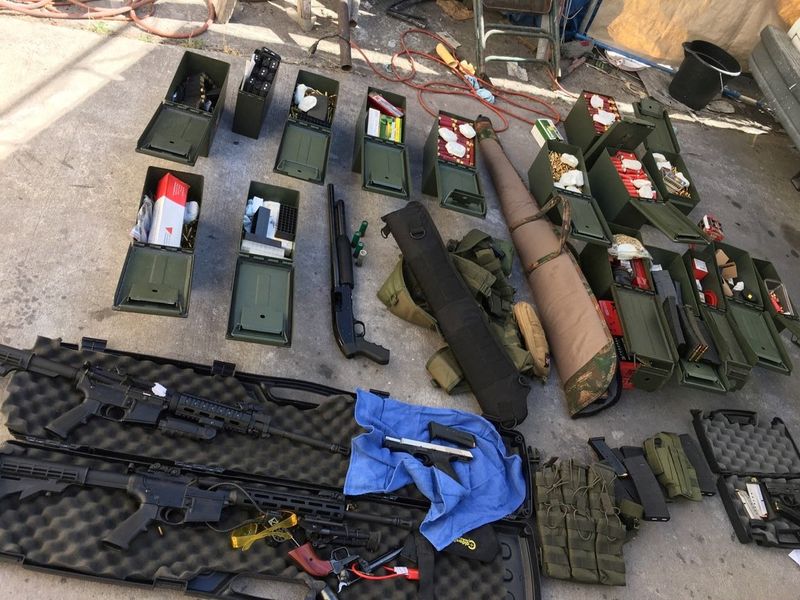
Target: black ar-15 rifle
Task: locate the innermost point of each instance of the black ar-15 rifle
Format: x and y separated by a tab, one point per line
348	330
169	496
118	397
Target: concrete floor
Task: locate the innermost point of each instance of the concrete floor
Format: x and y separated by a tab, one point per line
70	179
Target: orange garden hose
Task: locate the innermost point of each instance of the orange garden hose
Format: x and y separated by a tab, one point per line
459	89
127	12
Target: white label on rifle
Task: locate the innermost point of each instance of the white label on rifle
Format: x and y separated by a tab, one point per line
159	390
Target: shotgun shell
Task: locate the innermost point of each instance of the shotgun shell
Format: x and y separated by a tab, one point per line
363	229
356	239
358	248
362	255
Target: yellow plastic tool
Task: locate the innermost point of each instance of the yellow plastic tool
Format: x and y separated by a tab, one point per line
445	55
452	62
245	536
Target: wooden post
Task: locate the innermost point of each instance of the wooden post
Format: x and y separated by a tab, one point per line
224	10
304	16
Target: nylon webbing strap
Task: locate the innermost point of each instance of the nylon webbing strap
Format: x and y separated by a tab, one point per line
490	372
581	535
551	524
610	532
426	561
566	223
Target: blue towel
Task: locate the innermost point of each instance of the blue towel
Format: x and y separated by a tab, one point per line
491	484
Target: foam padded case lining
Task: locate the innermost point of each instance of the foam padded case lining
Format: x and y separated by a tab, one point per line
738	443
61	532
34	400
740	447
778	532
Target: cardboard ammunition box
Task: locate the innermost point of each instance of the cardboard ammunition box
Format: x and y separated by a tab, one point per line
664	141
754	321
179	132
251	108
303	152
733	370
383	163
456	185
157	279
645	330
587	221
262	299
620	207
770	281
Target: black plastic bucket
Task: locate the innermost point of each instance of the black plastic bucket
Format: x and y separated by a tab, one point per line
703	73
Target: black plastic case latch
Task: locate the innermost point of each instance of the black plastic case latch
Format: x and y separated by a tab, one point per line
93	344
223	369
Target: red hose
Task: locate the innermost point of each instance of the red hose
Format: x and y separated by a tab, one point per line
127	12
459	89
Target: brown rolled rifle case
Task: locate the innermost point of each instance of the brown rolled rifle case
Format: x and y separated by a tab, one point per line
498	387
580	343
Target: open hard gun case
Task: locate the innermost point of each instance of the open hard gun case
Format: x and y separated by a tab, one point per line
62	532
742	448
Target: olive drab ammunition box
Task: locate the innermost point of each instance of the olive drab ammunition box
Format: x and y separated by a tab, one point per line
645	332
179	132
770	283
700	374
456	184
741	357
588	223
262	299
382	162
592	137
751	316
157	279
303	152
664	141
619	206
251	108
